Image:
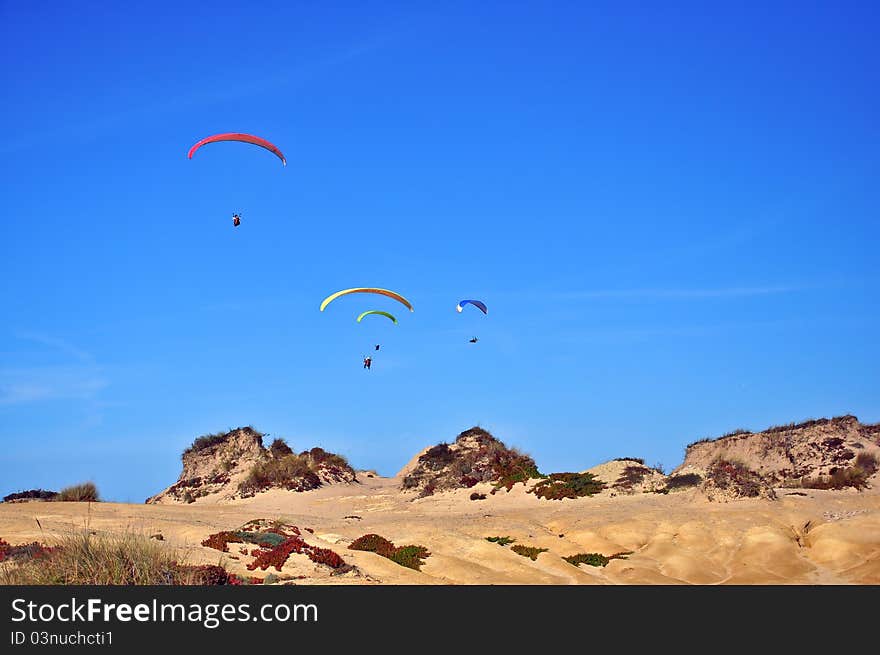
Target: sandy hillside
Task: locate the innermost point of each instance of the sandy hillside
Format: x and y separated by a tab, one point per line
786	454
827	537
793	504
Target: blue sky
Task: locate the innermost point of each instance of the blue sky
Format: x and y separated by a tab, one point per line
672	214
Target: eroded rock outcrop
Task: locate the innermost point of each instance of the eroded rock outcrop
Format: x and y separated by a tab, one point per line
475	456
236	464
793	455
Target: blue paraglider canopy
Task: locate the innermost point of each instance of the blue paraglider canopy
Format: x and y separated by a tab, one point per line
479	304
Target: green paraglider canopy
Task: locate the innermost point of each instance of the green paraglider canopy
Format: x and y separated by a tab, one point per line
376	311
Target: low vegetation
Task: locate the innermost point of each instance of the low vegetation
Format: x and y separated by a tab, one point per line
85	492
412	557
735	478
275	542
557	486
855	476
531	552
285	469
279	448
809	423
594	559
683	481
512	468
319	457
221	540
277	555
782	428
23	552
501	541
31	494
630	476
84	558
214	460
287	472
868	463
475	457
208	440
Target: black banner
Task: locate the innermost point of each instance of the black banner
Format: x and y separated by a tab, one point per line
88	619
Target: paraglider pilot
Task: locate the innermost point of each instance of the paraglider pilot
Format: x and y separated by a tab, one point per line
474	340
368	361
377	346
236	220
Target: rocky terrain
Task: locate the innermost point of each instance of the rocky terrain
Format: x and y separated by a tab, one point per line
475	456
236	464
825	453
627	476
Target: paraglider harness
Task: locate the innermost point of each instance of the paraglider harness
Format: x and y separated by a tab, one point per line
236	220
368	361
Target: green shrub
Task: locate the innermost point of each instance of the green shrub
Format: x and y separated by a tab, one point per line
567	485
372	543
412	557
85	492
501	541
593	559
531	552
510	467
409	556
264	539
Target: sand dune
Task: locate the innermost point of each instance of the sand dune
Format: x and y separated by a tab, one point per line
825	537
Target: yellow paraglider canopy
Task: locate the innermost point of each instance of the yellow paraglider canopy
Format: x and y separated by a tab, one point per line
384	292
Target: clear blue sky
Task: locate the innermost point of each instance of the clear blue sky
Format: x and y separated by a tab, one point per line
672	214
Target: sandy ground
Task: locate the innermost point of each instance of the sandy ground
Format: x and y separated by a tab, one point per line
825	537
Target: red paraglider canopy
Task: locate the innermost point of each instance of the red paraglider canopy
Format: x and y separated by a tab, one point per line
237	136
